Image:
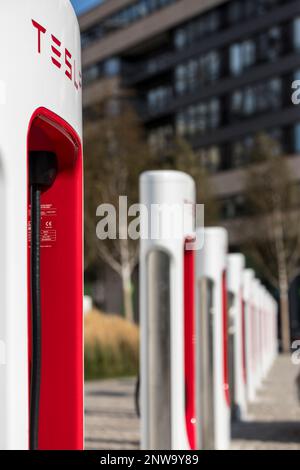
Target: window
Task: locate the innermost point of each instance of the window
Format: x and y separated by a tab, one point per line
249	101
297	75
266	47
195	72
159	97
235	11
242	10
210	158
242	56
123	18
108	68
270	45
87	37
181	83
112	67
203	26
297	34
297	138
256	99
180	38
235	59
214	113
214	21
199	118
192	72
211	66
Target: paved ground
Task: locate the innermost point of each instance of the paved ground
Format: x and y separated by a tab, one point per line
111	421
273	423
274	418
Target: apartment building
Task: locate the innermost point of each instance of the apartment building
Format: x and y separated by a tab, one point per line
215	72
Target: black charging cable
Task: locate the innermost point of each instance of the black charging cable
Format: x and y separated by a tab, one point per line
42	173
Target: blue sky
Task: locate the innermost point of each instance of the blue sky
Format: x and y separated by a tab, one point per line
84	5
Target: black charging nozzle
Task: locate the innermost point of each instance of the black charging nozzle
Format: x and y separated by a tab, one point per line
42	173
42	169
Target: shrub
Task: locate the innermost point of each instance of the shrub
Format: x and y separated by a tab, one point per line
111	346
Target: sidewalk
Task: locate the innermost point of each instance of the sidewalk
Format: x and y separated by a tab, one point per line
273	422
274	418
111	421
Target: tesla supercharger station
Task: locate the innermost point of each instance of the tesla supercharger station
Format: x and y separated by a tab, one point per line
270	336
249	312
267	333
167	317
265	327
274	329
213	356
41	374
256	307
237	373
258	333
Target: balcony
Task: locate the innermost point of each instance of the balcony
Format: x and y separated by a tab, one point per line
163	62
221	87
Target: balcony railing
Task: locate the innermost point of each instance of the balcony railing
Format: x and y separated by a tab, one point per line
220	40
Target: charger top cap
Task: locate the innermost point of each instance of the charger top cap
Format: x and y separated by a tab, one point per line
40	63
236	265
169	200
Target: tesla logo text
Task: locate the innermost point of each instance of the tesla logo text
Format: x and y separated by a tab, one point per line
61	57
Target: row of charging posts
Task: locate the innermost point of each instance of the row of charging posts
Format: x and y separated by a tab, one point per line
208	327
41	334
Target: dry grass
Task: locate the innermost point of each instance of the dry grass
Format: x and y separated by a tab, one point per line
111	346
109	330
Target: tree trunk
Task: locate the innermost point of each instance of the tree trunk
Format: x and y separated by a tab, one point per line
126	274
127	293
284	313
283	283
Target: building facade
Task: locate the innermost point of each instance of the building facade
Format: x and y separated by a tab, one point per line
215	72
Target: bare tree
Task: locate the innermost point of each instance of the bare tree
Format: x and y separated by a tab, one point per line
116	153
274	243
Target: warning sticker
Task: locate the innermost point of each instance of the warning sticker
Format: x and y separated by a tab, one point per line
48	226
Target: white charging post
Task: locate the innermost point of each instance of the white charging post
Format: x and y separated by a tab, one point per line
41	111
235	267
211	267
167	354
274	330
265	330
249	310
256	308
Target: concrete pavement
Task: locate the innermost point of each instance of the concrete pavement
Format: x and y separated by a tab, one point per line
273	422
